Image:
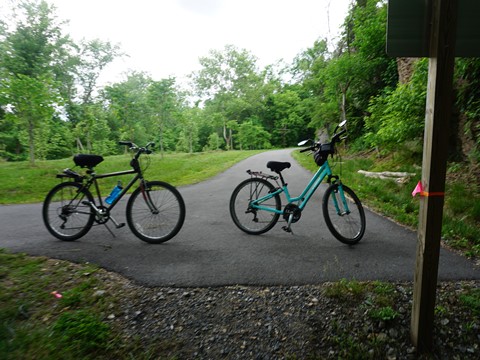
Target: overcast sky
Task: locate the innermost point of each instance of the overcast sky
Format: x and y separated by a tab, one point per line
166	37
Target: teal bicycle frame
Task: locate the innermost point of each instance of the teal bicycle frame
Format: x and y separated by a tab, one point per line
302	200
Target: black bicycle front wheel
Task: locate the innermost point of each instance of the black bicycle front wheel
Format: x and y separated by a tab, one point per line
346	223
64	213
250	220
155	212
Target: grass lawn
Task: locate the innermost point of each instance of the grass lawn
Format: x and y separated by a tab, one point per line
22	183
461	218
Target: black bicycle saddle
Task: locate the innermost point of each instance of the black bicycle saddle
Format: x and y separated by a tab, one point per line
277	166
87	160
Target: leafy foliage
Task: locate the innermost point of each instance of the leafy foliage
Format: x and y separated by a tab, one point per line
397	116
49	91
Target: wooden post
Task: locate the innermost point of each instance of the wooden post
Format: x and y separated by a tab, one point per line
437	117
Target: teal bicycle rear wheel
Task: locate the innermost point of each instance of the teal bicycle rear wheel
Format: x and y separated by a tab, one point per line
250	220
344	215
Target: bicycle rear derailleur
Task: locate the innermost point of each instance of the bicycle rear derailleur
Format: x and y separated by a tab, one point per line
291	214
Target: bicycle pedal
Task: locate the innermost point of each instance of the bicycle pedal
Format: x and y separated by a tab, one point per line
287	229
120	225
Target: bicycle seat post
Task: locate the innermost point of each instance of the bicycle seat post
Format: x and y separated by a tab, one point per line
281	178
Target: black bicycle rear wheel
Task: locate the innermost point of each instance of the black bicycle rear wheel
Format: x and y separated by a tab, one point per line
250	220
155	213
347	226
64	214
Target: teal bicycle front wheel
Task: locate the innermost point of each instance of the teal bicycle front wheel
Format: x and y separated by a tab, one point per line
344	214
251	220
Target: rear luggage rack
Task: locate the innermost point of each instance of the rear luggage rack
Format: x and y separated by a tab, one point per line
261	175
69	173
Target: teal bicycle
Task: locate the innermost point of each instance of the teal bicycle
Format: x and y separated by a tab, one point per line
255	205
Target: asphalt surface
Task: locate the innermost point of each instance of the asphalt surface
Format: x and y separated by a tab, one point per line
211	251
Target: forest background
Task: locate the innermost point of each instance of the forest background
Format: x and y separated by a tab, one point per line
51	105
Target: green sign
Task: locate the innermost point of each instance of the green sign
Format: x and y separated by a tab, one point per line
408	28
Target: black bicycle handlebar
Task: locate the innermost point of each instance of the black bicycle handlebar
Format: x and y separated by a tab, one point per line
132	145
140	150
335	139
311	148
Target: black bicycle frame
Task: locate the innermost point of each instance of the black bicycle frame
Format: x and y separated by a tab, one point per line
124	190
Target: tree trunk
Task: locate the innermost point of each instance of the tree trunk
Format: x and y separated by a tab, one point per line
79	145
161	139
225	137
405	68
31	141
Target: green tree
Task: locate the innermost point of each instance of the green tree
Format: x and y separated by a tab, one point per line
163	102
34	52
128	110
82	102
213	142
32	106
189	121
398	115
252	135
230	86
287	111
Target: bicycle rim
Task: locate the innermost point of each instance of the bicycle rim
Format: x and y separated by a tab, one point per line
346	223
64	214
247	219
156	214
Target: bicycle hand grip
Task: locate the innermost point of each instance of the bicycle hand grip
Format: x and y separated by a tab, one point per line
336	137
127	143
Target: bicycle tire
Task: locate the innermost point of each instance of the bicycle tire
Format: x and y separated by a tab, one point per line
347	228
249	220
64	214
165	221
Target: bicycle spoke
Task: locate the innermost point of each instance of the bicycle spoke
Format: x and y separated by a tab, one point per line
242	206
344	216
157	214
64	214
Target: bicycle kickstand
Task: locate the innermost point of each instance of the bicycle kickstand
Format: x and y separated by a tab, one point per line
116	223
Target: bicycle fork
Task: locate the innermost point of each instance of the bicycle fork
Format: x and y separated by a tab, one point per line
148	199
339	192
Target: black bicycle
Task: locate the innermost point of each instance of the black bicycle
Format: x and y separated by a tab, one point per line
155	210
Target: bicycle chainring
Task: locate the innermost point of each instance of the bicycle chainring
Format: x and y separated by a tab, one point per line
102	216
292	209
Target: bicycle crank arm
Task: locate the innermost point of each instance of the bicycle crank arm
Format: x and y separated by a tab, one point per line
288	227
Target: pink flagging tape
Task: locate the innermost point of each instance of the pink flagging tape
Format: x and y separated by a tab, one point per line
419	190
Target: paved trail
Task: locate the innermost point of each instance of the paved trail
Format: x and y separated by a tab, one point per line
211	251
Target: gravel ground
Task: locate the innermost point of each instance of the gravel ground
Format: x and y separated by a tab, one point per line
330	321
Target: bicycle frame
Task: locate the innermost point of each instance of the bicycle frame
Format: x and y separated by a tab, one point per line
95	177
306	194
